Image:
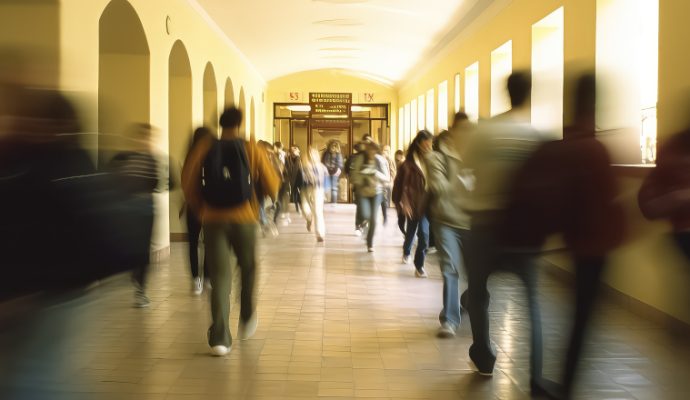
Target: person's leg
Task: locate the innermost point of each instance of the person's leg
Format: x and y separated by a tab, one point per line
243	241
449	251
409	236
422	243
359	215
219	262
334	188
588	273
525	267
481	251
193	232
305	199
317	207
373	217
384	204
401	223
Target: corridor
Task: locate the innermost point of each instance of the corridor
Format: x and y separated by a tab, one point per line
338	322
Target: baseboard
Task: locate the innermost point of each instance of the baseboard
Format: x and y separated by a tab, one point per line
635	306
178	237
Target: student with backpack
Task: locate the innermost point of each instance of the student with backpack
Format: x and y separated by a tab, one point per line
370	173
219	179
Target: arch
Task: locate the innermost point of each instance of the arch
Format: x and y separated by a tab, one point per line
229	93
123	75
242	105
252	119
210	98
179	120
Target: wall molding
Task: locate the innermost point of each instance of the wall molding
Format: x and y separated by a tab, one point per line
629	303
176	237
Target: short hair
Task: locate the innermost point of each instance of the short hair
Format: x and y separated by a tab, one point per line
278	145
519	88
460	116
367	137
201	133
231	118
399	153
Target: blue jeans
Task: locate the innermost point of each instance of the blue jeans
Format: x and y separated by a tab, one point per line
450	245
368	208
331	185
419	227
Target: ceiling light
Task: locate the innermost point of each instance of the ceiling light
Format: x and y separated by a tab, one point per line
340	1
339	22
339	49
299	108
338	38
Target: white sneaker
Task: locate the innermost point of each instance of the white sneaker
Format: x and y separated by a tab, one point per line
446	331
140	299
370	249
358	232
207	284
246	330
420	273
220	351
197	286
407	260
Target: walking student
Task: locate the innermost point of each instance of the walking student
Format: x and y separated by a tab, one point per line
370	173
313	176
218	180
333	161
410	195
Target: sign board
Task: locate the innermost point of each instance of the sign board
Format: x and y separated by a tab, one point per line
330	123
294	97
367	97
333	105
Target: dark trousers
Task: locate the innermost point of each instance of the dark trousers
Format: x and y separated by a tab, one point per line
143	214
588	281
420	228
193	233
484	257
368	208
385	202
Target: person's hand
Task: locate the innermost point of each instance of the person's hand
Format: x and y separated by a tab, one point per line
338	172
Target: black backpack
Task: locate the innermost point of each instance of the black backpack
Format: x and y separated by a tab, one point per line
225	177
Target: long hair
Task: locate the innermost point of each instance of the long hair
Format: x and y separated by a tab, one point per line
310	165
416	145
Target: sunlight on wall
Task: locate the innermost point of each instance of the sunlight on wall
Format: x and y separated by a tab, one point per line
472	91
430	111
443	105
547	74
501	68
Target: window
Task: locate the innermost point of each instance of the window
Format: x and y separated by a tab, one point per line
401	127
430	112
472	92
421	115
413	120
443	105
547	73
627	63
501	68
408	124
457	93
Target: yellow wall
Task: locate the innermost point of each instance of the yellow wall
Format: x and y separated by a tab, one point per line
330	81
79	67
648	268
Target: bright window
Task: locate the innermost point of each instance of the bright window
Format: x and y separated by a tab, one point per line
501	68
457	93
472	91
443	105
413	120
421	114
627	65
406	135
547	74
401	127
430	111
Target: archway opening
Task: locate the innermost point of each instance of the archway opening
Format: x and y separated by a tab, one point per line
210	98
123	76
179	124
229	93
242	105
252	119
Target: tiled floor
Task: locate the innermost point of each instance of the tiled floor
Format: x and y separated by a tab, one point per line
338	322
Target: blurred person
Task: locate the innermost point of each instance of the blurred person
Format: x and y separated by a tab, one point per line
410	196
351	166
368	177
266	223
313	175
138	174
388	188
568	187
450	184
282	204
333	161
278	148
494	154
227	206
293	166
194	227
399	158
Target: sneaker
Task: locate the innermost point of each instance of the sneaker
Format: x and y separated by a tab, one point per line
220	351
273	230
197	286
446	331
358	232
407	260
420	273
140	299
246	330
319	239
207	284
476	369
370	249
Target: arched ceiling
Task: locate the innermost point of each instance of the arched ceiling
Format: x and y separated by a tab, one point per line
385	39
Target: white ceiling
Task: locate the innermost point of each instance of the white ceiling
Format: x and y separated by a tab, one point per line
380	39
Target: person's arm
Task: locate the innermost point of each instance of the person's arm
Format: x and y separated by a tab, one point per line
382	172
396	195
191	176
268	179
438	182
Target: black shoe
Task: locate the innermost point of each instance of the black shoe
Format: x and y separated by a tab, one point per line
482	366
547	389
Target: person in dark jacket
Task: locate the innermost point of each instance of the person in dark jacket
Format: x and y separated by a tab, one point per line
568	187
333	161
410	196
